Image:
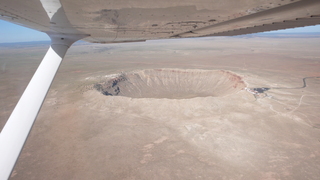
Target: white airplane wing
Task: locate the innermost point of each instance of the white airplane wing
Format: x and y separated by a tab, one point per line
116	21
138	20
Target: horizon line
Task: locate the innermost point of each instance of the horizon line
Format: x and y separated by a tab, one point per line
267	33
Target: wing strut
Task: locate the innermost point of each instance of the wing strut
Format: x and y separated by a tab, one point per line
16	130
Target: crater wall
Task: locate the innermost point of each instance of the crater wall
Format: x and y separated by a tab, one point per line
172	84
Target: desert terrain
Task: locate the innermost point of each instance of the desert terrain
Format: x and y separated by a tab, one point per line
203	108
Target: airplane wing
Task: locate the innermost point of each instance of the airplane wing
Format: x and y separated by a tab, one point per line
113	21
116	21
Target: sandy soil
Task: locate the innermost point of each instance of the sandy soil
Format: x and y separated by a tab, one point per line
82	134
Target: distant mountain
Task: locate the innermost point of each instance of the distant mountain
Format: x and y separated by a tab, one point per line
25	44
31	44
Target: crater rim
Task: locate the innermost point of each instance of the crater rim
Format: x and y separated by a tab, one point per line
171	83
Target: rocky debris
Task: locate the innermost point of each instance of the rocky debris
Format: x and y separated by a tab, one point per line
110	88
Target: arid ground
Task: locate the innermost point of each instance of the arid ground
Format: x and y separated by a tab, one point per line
172	109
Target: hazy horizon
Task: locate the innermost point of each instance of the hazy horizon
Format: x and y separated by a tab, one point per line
262	34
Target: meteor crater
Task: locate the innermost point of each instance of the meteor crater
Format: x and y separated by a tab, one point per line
172	84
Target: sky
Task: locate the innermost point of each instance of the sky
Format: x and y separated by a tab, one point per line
14	33
10	32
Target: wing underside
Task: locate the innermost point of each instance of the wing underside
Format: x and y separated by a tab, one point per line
126	21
